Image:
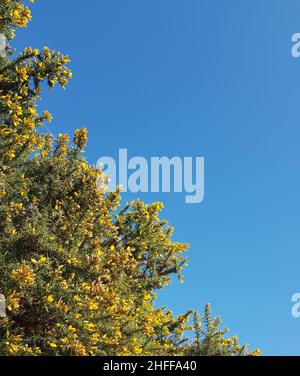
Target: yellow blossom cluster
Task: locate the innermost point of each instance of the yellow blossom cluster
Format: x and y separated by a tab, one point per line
19	94
80	137
23	275
13	13
20	15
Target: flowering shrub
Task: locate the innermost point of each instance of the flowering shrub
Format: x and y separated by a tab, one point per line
79	273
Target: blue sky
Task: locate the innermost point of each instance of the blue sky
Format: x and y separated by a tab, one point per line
199	78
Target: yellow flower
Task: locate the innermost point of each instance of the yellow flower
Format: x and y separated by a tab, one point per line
256	352
76	298
89	326
137	350
41	260
71	329
93	306
14	232
47	116
50	299
80	136
44	153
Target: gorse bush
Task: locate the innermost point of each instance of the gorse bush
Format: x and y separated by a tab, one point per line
79	272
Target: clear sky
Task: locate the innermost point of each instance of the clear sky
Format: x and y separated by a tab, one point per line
199	78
